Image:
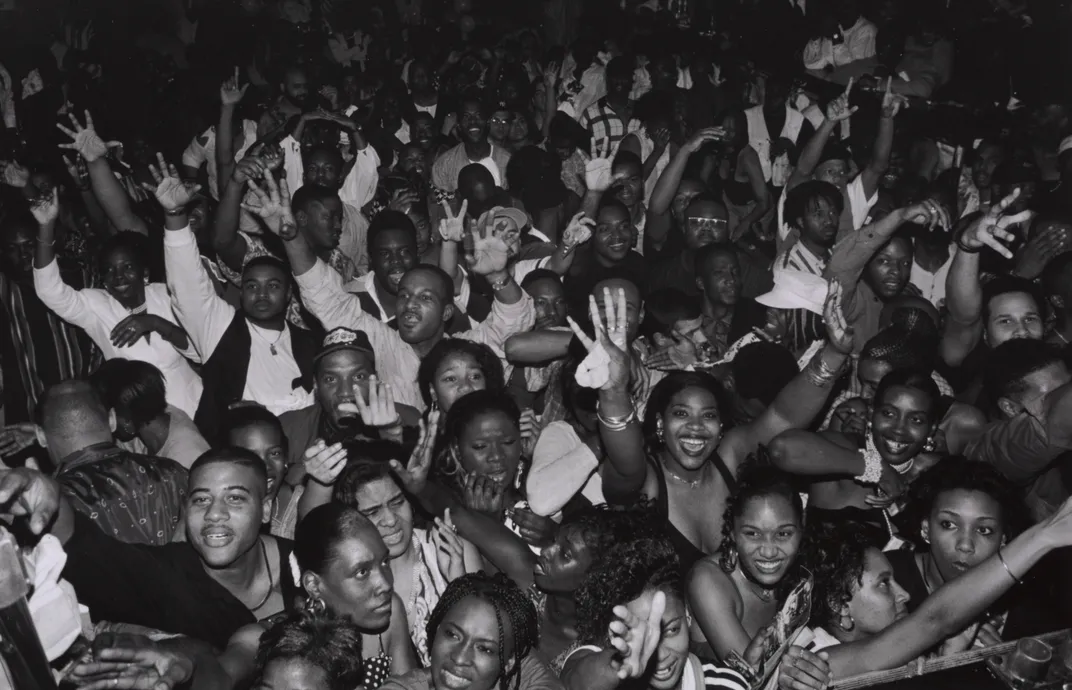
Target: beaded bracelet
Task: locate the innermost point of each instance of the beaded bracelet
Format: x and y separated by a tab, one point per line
872	466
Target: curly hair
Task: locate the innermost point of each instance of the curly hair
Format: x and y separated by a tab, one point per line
758	478
673	384
508	600
626	571
488	361
838	553
957	473
604	526
464	410
330	643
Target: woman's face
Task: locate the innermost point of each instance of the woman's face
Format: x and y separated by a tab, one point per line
964	529
691	427
900	423
668	661
293	674
465	653
123	276
499	125
357	582
455	376
382	502
490	446
767	533
869	373
268	444
562	566
424	230
879	601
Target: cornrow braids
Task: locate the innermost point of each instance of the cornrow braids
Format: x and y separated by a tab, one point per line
504	597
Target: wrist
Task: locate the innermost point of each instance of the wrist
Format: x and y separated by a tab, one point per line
288	232
175	212
499	279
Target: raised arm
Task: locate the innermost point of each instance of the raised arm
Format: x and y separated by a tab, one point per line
537	347
760	190
836	111
964	292
113	198
597	176
577	233
230	96
711	596
68	303
807	454
880	154
230	245
626	472
512	311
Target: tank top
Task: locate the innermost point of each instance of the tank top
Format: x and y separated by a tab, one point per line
687	552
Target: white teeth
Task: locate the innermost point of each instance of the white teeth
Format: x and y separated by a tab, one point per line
693	444
895	447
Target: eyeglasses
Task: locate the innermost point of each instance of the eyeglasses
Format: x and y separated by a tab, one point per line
707	223
500	121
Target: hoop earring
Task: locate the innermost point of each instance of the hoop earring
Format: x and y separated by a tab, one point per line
924	537
315	606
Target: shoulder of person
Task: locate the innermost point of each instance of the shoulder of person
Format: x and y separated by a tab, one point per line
417	679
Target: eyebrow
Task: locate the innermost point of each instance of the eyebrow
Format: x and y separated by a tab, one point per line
226	488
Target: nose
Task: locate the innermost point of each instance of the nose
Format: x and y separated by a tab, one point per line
767	549
900	594
462	654
965	544
389	518
217	511
382	581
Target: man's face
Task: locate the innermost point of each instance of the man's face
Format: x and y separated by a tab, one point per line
836	172
321	223
987	159
614	235
419	80
423	131
619	85
18	254
422	307
296	88
888	271
1038	385
628	183
499	124
506	230
686	192
1013	315
265	292
474	125
225	508
549	301
391	254
322	168
721	280
412	161
337	375
706	222
819	223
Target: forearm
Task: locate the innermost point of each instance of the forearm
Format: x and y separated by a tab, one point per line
315	494
45	251
300	254
964	292
666	187
536	347
813	151
448	261
98	221
805	453
798	403
113	198
230	246
225	154
880	156
590	203
562	259
852	254
506	551
652	160
173	333
627	468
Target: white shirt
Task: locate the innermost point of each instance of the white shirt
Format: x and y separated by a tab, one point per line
358	187
97	313
932	285
857	43
489	163
206	317
562	466
202	151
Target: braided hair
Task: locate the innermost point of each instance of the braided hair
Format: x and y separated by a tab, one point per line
506	598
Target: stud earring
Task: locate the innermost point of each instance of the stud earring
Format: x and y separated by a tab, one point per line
929	445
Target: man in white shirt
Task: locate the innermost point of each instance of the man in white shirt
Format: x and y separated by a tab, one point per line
202	152
852	39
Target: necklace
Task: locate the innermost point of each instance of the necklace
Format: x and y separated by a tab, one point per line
272	344
271	580
691	483
904	467
764	595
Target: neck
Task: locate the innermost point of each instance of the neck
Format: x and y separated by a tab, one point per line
932	578
425	346
673	466
275	323
155	434
60	448
716	310
402	565
561	609
323	253
477	150
238	577
816	248
132	302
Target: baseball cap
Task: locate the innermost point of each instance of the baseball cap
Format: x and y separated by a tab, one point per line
342	338
504	214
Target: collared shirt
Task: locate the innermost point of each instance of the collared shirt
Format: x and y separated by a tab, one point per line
602	122
396	360
206	317
97	312
133	498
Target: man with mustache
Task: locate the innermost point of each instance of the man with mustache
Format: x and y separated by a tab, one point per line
294	98
224	576
424	303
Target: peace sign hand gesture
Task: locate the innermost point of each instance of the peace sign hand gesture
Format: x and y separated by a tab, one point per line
636	638
273	207
607	365
452	227
415	474
597	171
85	140
230	92
170	190
839	108
990	229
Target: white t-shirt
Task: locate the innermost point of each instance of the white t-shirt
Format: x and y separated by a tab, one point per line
202	151
932	285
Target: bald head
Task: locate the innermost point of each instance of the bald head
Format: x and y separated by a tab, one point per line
73	417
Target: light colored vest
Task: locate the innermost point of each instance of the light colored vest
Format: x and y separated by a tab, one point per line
776	171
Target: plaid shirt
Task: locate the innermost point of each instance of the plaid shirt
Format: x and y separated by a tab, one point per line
603	123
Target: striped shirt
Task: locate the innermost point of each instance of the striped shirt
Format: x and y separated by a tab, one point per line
800	258
603	123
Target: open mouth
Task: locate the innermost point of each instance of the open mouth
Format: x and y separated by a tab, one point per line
394	538
769	567
217	537
895	447
395	277
665	673
409	320
693	445
453	681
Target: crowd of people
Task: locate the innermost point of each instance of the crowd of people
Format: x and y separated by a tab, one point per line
425	346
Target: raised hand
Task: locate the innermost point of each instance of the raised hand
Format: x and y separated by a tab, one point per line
597	171
485	252
991	229
46	208
380	410
674	353
324	463
550	75
171	191
892	103
607	364
452	227
930	213
635	638
14	438
85	140
483	494
529	426
1039	250
273	207
701	137
838	331
249	168
577	232
536	530
839	108
415	474
15	174
131	662
230	92
450	555
402	200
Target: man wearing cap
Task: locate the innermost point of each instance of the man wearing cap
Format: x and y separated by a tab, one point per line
344	368
424	306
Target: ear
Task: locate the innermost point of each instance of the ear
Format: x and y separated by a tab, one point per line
925	530
699	284
42	440
301	217
448	311
311	584
266	510
1008	407
113	423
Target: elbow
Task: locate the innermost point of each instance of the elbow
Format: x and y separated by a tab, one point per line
513	349
780	452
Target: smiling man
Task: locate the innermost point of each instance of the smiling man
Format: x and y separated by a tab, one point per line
392	250
225	576
475	148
